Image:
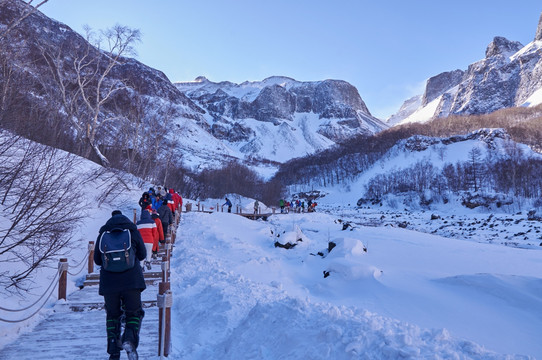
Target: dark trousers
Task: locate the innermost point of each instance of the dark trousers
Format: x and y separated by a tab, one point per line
165	227
127	303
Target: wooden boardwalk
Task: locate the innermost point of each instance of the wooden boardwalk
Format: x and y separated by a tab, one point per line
257	216
76	328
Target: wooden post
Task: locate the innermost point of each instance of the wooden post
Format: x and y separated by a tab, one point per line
168	249
165	269
90	257
135	216
63	279
164	321
173	235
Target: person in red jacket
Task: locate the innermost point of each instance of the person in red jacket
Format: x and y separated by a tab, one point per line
177	199
171	202
156	217
148	230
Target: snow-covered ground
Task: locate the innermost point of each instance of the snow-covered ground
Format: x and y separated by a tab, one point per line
410	295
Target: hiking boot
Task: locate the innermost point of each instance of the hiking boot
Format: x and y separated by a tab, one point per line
130	350
113	337
114	356
148	265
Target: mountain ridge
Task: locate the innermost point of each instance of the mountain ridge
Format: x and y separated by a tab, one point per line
510	75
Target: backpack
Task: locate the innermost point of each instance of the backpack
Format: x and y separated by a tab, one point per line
117	252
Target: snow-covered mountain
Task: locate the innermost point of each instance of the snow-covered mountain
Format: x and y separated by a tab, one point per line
265	122
280	118
510	75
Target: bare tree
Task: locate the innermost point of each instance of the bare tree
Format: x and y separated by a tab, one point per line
85	83
38	194
475	167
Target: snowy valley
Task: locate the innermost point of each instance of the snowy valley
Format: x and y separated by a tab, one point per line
425	242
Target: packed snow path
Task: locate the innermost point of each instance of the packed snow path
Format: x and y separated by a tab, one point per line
76	329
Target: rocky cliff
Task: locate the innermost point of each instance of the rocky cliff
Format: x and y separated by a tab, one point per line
508	76
340	111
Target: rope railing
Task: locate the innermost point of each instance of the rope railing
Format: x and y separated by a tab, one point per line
41	296
60	274
48	292
81	265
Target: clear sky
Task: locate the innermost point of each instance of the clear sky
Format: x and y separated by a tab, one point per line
386	48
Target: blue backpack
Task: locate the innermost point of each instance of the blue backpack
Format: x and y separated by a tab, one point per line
117	252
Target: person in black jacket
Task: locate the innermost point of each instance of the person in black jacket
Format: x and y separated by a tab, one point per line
122	290
145	200
166	216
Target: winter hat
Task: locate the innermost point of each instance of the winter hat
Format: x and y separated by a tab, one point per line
116	212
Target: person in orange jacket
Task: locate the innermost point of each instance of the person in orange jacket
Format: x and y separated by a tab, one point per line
156	217
149	232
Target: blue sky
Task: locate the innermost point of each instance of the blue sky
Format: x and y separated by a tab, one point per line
386	48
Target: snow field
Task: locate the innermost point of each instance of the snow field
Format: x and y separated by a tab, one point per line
410	296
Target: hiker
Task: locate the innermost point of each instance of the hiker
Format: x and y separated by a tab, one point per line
145	200
228	202
148	230
177	200
122	290
161	239
281	204
169	201
256	206
166	216
157	202
161	191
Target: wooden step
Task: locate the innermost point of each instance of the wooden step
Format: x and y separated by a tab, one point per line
146	274
81	306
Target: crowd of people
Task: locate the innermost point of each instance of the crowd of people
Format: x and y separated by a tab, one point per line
158	209
296	206
122	289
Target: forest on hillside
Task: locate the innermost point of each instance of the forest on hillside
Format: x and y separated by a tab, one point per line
514	175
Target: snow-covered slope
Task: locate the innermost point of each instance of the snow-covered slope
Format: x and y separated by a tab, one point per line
435	151
509	75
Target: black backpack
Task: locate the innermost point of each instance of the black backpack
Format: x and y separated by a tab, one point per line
117	252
